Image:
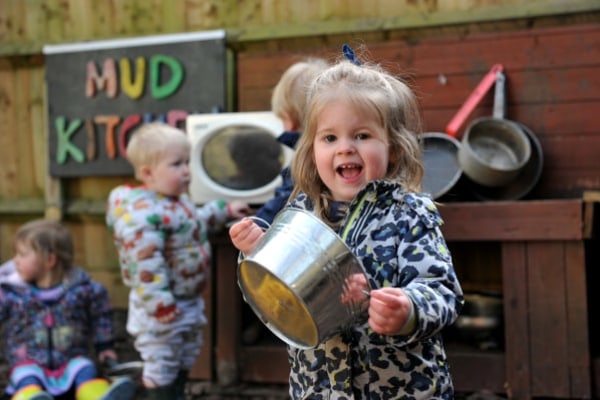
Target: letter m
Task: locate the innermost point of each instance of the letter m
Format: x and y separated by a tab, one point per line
106	81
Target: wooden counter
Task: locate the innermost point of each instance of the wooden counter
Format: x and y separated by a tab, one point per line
543	248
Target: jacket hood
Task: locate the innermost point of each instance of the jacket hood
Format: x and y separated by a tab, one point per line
12	281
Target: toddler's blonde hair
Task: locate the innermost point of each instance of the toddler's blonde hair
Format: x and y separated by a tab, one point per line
150	142
289	95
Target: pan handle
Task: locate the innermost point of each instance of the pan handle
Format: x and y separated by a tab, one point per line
474	98
499	96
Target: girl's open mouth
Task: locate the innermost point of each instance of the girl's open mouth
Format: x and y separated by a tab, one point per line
349	170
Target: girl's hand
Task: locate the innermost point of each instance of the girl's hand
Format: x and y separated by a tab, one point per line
389	311
356	289
245	234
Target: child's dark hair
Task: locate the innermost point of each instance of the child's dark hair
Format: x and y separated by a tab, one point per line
48	237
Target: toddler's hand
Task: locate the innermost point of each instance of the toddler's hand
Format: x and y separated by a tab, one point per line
389	310
238	209
245	234
169	317
107	356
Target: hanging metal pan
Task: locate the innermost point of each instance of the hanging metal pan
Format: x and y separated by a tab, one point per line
440	150
494	150
524	183
440	161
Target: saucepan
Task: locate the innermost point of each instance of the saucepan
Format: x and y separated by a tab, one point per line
528	175
481	320
297	278
524	183
494	150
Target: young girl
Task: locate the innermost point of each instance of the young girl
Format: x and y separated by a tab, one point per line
51	311
358	167
165	256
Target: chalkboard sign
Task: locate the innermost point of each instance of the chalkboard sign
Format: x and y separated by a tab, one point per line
99	92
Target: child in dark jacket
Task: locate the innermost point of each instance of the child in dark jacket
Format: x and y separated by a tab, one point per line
51	311
288	103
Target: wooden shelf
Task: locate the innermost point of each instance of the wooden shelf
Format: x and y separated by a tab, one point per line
517	220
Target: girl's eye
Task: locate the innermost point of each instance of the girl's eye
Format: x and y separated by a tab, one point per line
329	138
362	136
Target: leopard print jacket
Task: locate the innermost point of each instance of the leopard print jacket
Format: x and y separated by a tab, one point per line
396	236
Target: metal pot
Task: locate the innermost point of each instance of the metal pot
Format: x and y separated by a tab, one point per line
494	150
296	277
481	321
519	187
482	305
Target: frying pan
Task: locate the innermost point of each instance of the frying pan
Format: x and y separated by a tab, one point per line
494	150
440	160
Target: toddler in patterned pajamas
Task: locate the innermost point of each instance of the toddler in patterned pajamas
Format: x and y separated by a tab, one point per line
165	256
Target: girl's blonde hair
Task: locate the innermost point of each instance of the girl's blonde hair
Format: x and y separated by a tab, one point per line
48	237
289	95
150	142
375	90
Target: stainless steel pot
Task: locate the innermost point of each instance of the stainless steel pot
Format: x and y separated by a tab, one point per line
494	150
481	321
524	183
296	278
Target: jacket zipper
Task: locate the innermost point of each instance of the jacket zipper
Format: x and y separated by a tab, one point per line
49	322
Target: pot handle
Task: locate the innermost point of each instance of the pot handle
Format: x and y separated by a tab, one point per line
474	98
499	96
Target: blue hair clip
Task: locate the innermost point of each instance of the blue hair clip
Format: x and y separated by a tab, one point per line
349	54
